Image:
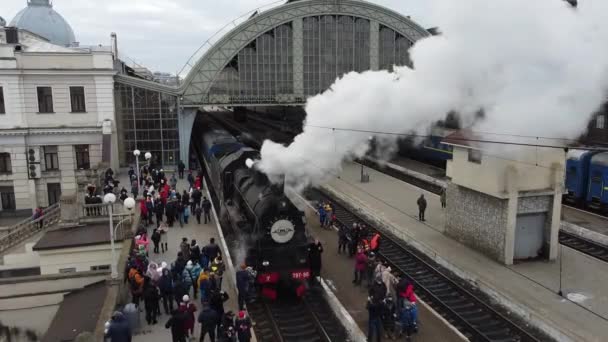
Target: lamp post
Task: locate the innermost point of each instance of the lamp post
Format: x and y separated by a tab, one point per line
129	204
148	155
136	153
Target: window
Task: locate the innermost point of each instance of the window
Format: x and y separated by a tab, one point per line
2	108
7	198
475	156
82	157
54	191
51	159
5	163
45	100
67	270
600	121
77	99
100	268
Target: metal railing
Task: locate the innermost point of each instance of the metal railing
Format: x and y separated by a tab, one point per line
30	227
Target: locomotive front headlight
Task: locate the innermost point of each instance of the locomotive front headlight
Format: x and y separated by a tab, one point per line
265	263
302	261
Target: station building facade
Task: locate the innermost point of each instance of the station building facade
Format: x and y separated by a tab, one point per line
56	114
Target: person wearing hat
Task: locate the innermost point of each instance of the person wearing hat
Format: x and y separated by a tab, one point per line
118	329
189	309
209	319
243	327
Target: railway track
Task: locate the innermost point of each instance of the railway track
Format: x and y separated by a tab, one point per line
308	320
464	310
583	245
578	243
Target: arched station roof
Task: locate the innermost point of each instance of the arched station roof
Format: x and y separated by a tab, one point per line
197	88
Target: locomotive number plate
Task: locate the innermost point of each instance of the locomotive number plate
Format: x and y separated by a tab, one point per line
300	275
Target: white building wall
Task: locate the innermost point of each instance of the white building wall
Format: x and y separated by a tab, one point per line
59	68
81	258
13	102
532	170
61	101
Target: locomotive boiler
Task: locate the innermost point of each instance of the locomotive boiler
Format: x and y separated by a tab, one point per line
265	222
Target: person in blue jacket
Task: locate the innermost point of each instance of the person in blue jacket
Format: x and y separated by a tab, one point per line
118	329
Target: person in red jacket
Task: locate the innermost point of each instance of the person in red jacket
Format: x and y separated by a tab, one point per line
405	290
360	265
143	209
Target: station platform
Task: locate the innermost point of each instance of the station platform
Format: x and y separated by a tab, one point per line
338	273
595	223
527	289
201	233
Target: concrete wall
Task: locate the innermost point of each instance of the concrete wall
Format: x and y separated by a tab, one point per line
98	60
476	219
492	175
82	258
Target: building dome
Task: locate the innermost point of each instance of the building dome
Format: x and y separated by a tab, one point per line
40	18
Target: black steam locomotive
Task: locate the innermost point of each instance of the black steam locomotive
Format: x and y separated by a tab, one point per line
265	221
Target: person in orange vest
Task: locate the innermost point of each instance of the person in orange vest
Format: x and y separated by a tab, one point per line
375	243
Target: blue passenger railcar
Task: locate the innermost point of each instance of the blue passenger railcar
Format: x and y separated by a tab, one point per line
597	194
577	176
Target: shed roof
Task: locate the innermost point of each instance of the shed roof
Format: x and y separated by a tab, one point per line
463	137
79	312
78	236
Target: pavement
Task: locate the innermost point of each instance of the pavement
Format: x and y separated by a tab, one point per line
588	220
338	273
528	289
202	233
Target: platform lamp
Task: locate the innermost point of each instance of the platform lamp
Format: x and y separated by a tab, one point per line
136	153
129	203
148	156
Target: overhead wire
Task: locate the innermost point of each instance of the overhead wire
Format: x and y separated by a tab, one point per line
469	139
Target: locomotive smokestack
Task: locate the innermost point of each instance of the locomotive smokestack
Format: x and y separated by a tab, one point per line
278	186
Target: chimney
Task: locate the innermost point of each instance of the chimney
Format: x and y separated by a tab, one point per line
114	45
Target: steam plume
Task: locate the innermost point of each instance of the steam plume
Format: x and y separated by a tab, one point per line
535	68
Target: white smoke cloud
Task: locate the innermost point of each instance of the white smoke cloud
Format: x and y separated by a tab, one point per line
537	68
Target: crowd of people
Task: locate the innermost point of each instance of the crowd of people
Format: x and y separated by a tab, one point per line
391	301
195	274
